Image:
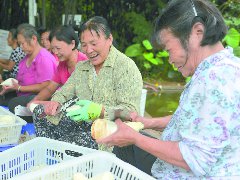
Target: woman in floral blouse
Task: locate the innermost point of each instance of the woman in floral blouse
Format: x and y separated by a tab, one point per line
201	139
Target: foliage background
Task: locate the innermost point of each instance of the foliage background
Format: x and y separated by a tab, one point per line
131	21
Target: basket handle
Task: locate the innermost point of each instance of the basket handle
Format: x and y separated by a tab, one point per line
73	153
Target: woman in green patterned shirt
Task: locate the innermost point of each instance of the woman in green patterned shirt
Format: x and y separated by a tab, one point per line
107	82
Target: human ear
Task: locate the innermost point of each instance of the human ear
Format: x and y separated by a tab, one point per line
34	38
73	44
110	38
198	30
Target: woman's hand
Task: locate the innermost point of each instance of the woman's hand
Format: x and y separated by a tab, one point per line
124	136
50	107
136	118
6	89
158	123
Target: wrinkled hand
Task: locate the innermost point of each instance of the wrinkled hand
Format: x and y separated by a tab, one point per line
124	136
6	89
136	118
88	111
50	107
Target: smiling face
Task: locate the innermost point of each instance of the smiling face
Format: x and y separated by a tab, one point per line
95	47
62	49
184	60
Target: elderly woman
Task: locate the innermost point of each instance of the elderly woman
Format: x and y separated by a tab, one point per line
35	69
201	139
109	80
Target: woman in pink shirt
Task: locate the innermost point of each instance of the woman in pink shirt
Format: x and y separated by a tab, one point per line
36	69
64	43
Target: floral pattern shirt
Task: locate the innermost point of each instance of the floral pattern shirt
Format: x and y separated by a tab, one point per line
118	84
207	122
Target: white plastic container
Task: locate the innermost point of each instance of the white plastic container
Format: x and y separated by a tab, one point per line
10	133
37	153
89	165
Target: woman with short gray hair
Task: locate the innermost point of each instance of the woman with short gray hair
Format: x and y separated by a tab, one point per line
35	69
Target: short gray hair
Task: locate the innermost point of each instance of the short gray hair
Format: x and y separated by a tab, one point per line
28	31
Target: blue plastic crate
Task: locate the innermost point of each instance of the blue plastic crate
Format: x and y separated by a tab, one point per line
6	147
29	128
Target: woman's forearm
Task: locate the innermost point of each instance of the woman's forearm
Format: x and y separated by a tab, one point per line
47	92
35	88
167	151
158	123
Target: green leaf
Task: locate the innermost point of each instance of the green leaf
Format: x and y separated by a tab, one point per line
148	55
160	61
150	58
236	21
232	38
147	44
236	51
228	22
174	68
187	79
147	65
162	54
134	50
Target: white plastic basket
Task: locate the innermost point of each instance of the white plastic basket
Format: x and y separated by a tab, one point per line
37	153
89	165
10	134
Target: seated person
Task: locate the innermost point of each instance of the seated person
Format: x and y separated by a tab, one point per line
17	54
64	42
109	80
201	140
36	70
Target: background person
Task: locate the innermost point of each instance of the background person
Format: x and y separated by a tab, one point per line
35	69
17	54
201	139
45	40
109	80
64	42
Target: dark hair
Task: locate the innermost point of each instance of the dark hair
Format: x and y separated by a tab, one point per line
65	33
28	31
42	30
97	24
179	18
13	31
